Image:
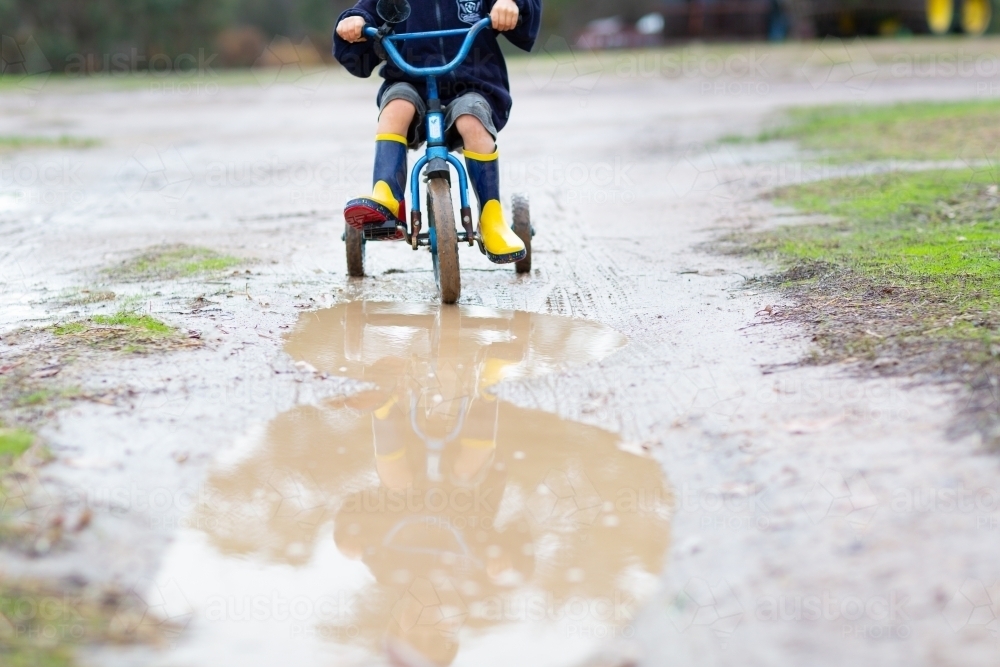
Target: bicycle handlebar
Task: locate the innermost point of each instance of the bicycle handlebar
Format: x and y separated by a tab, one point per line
410	70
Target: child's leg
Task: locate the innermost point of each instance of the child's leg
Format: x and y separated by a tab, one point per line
475	136
387	201
389	177
396	118
482	161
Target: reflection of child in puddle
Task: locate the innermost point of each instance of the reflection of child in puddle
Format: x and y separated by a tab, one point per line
434	512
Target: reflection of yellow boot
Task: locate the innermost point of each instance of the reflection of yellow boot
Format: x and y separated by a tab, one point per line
492	372
499	241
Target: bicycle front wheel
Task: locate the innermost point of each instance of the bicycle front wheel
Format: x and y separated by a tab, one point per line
444	247
355	244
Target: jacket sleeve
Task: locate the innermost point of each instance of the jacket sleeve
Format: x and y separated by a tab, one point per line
359	58
526	32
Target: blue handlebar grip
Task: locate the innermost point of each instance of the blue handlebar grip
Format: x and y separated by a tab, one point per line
409	70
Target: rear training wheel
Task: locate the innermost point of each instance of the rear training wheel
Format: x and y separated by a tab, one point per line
522	227
355	252
444	250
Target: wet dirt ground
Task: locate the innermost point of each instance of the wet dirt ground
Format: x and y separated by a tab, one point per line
673	488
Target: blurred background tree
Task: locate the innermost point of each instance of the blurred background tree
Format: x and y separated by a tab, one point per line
90	34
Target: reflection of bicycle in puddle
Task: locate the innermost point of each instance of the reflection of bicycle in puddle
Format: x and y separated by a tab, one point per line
454	501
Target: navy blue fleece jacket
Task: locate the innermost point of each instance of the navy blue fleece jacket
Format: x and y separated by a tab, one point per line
484	71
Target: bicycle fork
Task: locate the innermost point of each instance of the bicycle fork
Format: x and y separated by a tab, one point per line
436	160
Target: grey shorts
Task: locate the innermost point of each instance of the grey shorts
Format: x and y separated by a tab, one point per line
471	104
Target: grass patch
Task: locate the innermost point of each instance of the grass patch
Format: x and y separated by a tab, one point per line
39	397
132	320
44	623
10	143
907	281
13	443
908	131
127	330
171	262
69	328
938	230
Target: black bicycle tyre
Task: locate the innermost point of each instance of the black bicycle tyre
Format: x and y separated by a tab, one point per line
522	227
355	243
441	218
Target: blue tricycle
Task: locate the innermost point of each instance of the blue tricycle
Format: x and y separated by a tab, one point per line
442	236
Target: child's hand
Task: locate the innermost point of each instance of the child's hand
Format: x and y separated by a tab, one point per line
350	29
504	15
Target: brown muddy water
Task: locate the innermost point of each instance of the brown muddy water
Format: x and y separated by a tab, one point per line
422	521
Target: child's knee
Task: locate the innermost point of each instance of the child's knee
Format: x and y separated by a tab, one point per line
475	136
469	126
400	107
397	116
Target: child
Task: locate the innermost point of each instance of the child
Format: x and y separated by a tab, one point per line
475	98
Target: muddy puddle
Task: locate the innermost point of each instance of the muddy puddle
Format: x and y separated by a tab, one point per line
422	521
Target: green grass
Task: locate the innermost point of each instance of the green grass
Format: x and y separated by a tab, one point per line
19	142
170	262
937	230
20	654
908	270
34	398
908	131
14	442
69	328
132	320
48	620
127	330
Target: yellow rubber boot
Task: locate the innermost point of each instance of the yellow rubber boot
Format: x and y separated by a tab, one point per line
386	207
499	241
382	194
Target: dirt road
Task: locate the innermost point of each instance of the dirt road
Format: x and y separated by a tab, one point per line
807	515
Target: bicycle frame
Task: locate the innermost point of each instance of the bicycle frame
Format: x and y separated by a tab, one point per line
436	157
